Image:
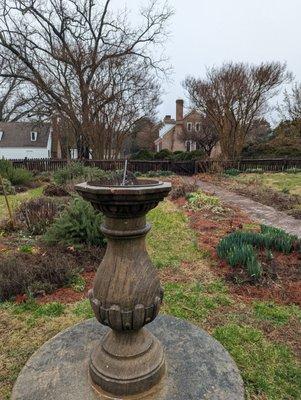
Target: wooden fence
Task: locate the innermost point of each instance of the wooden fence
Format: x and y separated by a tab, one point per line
249	165
45	165
178	167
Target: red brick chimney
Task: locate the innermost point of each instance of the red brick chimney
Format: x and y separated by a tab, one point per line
180	111
167	119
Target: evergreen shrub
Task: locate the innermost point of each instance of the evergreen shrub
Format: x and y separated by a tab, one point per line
232	172
143	155
163	154
78	224
7	187
17	176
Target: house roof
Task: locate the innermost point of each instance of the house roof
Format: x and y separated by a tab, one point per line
165	129
18	134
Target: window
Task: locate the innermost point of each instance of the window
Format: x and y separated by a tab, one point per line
197	126
73	154
189	126
1	135
33	136
188	145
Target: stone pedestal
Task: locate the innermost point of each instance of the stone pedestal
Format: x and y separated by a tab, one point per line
198	367
127	293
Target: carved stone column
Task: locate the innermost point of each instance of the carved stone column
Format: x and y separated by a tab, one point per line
127	293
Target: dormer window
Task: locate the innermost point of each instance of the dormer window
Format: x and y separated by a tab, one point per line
33	136
189	126
1	135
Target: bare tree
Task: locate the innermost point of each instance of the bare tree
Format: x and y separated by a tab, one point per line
72	51
260	131
143	135
137	96
205	137
17	99
291	108
233	96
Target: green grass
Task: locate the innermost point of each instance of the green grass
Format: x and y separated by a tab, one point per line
16	199
171	241
276	314
268	369
82	309
280	181
193	302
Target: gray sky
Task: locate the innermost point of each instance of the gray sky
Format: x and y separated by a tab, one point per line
209	32
206	33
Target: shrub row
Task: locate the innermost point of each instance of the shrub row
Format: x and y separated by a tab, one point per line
168	155
76	171
154	174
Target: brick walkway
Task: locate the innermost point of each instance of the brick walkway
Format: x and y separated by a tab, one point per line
262	213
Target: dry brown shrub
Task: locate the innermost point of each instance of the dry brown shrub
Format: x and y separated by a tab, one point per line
181	187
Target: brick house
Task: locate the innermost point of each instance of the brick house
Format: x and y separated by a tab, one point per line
142	137
172	132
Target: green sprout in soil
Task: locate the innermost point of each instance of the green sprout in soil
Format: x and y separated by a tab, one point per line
239	248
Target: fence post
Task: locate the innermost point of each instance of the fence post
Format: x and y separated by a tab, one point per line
196	167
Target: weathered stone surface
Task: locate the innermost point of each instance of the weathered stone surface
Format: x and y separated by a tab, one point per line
198	367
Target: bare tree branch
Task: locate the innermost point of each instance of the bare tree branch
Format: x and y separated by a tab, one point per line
81	55
233	97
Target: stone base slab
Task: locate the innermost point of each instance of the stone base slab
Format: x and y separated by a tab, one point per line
198	367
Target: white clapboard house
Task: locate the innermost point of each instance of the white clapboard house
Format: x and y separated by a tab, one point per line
19	140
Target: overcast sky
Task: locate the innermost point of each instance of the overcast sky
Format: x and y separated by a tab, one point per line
209	32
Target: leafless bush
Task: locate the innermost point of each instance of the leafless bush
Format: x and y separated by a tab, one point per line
37	214
21	273
181	188
53	190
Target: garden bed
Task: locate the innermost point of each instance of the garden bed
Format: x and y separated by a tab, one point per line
258	323
281	280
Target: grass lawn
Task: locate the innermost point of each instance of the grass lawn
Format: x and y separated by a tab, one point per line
287	182
171	241
258	335
16	199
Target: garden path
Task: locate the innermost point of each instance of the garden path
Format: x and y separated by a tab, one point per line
264	214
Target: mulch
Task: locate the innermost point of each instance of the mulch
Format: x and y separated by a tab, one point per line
68	295
282	285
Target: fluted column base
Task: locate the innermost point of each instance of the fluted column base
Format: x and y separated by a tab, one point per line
127	363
